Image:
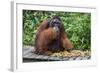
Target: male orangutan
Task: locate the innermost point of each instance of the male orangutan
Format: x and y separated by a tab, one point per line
51	37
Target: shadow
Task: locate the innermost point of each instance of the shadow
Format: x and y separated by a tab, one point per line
10	70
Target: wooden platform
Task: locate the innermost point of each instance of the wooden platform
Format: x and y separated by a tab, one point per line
29	56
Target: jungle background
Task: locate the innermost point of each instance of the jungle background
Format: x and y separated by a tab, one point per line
77	26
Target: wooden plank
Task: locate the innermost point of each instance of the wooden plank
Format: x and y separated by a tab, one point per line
55	58
59	59
39	57
27	49
89	57
65	59
86	58
25	52
32	56
71	58
78	58
46	57
51	58
29	55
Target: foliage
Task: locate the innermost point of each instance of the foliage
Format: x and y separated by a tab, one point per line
77	26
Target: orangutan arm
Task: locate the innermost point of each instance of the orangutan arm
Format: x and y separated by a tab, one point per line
66	43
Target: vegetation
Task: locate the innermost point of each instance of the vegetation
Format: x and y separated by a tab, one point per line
77	26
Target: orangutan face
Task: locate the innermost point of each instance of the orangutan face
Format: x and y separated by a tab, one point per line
55	23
